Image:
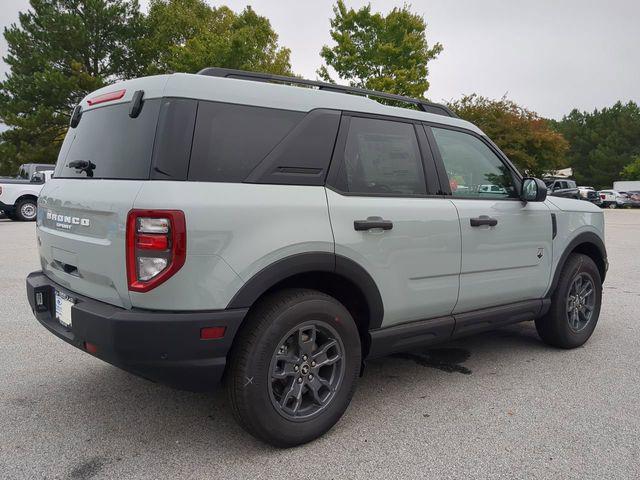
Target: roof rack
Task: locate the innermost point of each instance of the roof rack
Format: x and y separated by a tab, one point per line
267	77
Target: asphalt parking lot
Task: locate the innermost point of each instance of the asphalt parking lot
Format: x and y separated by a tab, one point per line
498	405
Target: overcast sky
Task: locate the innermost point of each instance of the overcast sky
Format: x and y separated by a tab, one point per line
548	55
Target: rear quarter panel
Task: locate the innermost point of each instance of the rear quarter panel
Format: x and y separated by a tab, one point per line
234	230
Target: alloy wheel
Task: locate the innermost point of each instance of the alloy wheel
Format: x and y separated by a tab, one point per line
306	370
581	302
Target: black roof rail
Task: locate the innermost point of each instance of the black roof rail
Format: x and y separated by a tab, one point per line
332	87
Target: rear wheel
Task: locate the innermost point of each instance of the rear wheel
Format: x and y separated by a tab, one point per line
294	366
26	210
613	205
575	304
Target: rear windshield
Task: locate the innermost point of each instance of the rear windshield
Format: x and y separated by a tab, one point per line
107	143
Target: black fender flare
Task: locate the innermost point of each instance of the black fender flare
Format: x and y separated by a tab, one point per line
582	238
308	263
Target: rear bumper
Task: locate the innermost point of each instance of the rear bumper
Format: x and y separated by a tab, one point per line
161	346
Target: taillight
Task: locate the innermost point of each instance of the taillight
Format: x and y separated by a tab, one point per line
603	197
156	247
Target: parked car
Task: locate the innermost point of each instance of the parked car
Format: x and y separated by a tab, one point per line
590	194
562	188
614	199
19	197
235	226
492	189
634	197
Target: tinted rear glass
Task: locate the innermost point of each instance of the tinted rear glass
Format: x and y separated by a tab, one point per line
230	140
120	147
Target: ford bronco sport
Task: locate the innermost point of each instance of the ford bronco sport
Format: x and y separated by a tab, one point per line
272	233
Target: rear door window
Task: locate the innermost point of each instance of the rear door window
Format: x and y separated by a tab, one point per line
230	140
109	144
382	157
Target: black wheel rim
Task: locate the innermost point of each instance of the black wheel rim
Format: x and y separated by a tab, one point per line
581	301
306	370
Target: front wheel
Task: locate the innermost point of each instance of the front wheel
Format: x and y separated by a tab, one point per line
293	367
575	304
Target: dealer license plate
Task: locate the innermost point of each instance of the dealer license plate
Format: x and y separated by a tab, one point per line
63	308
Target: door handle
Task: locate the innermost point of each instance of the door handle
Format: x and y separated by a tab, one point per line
371	223
483	220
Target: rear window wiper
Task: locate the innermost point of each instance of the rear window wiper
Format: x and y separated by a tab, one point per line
83	166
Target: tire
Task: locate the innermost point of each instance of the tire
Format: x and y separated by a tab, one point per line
560	327
613	205
268	345
26	210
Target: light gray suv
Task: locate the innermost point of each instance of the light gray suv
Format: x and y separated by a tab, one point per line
274	233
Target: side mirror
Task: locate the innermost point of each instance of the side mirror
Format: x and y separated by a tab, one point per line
533	190
37	177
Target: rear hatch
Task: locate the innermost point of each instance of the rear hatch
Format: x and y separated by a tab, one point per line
83	210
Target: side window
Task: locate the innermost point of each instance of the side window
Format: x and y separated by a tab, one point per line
382	156
230	140
473	169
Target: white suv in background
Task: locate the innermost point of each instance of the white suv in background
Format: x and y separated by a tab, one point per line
613	199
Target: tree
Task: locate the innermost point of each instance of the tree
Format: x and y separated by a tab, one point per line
188	35
527	139
372	51
602	142
632	170
60	51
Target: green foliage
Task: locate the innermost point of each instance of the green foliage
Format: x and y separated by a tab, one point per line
372	51
602	142
60	51
632	170
188	35
528	140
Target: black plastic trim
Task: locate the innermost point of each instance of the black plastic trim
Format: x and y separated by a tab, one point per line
162	346
174	139
303	156
554	226
136	103
423	105
76	116
403	337
309	263
490	318
582	238
406	336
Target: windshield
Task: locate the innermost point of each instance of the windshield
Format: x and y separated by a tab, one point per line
107	143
